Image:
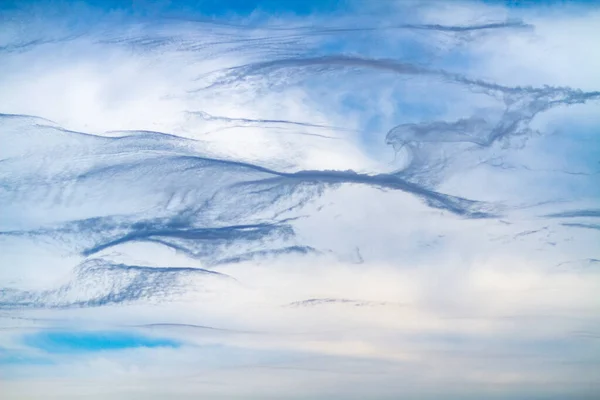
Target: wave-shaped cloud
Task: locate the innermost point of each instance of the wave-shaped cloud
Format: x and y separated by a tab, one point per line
376	200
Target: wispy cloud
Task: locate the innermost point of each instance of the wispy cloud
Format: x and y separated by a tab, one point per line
355	201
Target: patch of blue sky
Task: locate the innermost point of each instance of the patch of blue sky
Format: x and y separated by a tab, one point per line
93	341
521	4
9	357
272	7
575	151
375	125
208	8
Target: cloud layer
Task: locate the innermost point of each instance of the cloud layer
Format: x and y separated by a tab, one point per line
355	201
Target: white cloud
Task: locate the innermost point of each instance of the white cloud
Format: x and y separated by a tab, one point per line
403	293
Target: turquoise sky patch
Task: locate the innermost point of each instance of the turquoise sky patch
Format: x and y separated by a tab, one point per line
66	342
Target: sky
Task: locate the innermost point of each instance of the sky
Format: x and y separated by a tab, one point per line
246	199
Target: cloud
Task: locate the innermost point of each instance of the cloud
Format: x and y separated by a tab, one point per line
382	200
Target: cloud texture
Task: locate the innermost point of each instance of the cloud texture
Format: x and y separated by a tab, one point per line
327	200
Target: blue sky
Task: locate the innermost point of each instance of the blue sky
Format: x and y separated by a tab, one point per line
299	199
77	342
